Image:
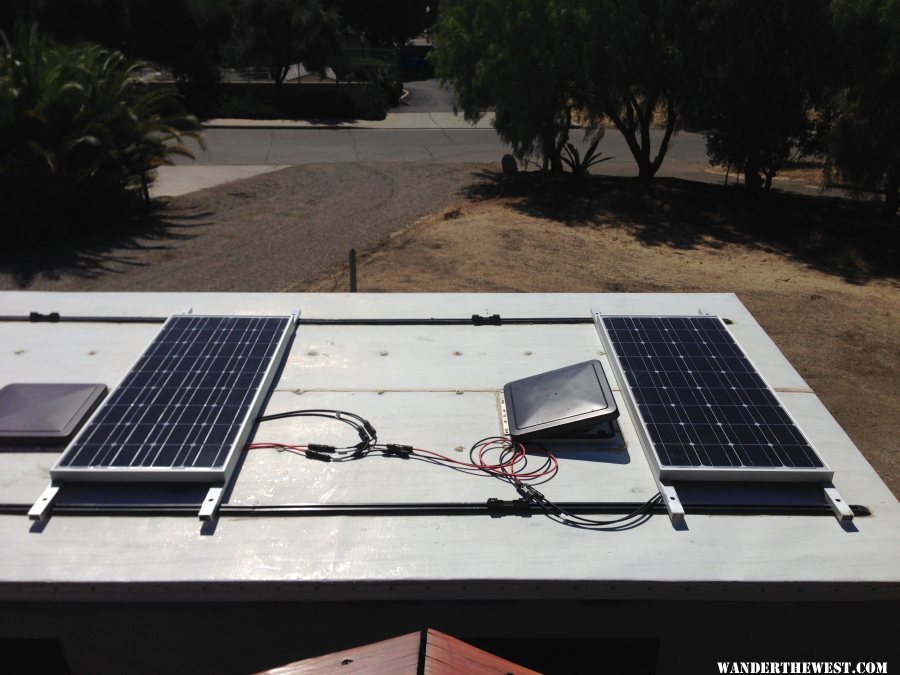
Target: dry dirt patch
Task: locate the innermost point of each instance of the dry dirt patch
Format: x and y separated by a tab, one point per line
831	308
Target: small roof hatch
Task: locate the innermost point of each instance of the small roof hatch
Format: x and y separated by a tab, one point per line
45	412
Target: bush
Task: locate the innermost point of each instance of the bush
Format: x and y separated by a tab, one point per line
392	88
80	135
246	106
367	102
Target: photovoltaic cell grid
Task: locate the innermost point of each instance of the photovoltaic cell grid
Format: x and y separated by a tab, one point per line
185	402
702	402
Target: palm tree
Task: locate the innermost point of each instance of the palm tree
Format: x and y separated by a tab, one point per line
80	131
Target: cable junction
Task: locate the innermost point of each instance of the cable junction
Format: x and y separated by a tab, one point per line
499	457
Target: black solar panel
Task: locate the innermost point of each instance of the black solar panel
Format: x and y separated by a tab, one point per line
702	403
185	403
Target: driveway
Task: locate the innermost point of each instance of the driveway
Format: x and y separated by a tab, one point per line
271	233
425	96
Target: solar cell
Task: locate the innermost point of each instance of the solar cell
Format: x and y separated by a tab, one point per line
184	407
701	404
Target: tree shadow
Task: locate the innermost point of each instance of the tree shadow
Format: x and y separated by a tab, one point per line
89	252
835	235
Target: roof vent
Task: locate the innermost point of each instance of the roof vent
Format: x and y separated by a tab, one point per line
45	413
568	399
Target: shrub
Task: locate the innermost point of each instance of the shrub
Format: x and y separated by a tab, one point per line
392	88
369	102
246	106
80	135
347	101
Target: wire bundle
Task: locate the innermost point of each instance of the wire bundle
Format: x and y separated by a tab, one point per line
510	465
368	437
560	515
498	457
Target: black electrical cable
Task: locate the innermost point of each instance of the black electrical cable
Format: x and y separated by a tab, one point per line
338	414
558	514
512	467
561	515
367	434
543	467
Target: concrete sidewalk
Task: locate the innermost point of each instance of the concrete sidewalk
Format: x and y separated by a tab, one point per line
174	181
407	120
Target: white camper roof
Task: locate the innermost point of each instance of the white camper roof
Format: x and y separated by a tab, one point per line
436	386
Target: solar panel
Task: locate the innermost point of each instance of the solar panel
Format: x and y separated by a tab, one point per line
700	404
185	406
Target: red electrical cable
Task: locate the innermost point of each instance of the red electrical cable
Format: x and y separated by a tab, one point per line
423	451
278	446
512	467
506	468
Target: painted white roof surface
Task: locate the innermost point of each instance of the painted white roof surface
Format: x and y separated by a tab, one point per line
435	387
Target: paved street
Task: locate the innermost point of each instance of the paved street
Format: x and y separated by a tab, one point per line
424	129
315	146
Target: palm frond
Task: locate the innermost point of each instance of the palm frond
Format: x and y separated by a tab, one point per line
572	158
79	122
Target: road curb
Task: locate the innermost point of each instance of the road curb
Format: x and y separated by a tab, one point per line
407	121
265	125
337	127
305	125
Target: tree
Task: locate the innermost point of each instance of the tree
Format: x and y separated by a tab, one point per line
387	23
277	34
80	132
194	30
520	57
639	70
70	21
767	66
865	141
182	35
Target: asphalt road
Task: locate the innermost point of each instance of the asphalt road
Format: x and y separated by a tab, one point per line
236	147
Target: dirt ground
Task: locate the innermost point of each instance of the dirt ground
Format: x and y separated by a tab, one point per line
818	274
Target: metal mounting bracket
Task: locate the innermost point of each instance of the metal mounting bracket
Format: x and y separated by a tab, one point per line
673	504
842	510
211	502
41	508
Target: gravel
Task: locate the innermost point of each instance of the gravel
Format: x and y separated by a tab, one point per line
271	233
